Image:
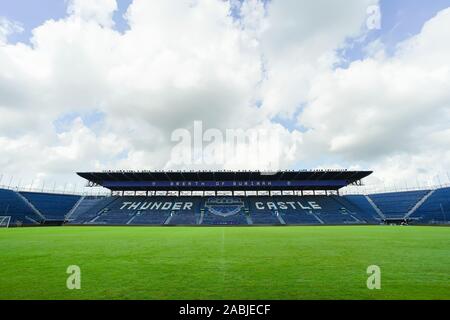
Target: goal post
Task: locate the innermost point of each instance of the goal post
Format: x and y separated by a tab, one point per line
4	221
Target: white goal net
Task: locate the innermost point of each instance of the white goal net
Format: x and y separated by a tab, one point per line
4	221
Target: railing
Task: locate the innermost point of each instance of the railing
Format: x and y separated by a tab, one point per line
91	193
377	189
350	190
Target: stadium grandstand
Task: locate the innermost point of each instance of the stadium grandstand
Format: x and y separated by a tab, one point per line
308	197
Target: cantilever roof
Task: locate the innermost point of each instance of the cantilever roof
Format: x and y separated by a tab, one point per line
229	180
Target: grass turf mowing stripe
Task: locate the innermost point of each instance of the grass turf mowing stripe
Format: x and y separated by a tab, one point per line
225	262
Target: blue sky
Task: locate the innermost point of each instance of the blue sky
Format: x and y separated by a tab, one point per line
400	18
332	142
31	14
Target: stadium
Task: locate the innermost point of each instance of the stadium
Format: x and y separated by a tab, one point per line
232	150
273	252
226	199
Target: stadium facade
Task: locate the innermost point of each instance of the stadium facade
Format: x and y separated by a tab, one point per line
225	198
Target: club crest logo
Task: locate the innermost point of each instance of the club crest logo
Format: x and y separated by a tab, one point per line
224	207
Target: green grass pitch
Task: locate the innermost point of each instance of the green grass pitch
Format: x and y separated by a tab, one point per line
225	262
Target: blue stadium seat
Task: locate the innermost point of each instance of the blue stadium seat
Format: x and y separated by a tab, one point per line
224	211
186	217
52	206
264	217
435	210
363	209
20	212
32	208
307	210
212	219
397	204
144	210
89	209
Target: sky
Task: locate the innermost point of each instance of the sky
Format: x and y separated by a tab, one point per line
91	85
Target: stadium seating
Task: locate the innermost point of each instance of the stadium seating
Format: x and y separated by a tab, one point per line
212	219
339	218
396	205
291	217
298	210
332	211
420	207
21	213
150	218
111	218
224	211
435	210
264	218
52	206
89	209
359	204
141	211
186	217
284	213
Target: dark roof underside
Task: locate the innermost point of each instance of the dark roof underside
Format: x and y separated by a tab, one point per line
224	180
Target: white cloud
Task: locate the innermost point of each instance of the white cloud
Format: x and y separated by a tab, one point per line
388	112
99	11
299	41
7	28
182	61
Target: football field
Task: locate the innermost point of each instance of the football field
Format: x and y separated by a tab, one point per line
225	262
